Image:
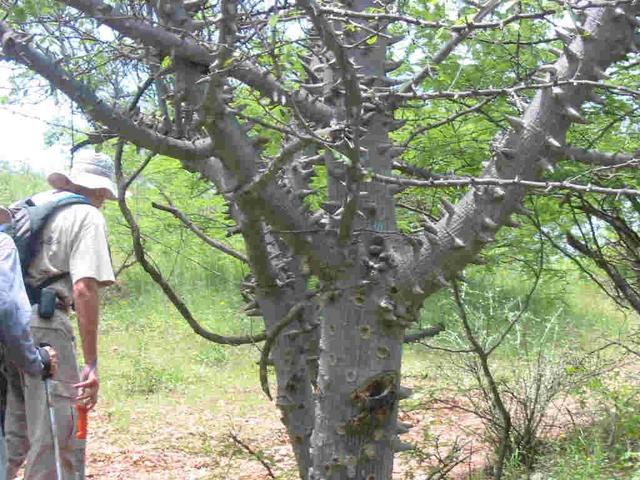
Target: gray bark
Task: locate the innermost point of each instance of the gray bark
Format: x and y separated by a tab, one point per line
294	359
337	361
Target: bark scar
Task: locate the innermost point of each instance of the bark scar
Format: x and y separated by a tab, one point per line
374	400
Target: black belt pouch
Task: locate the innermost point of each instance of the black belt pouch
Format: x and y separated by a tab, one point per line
47	303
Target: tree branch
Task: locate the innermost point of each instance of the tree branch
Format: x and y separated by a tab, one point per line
352	112
618	280
493	92
502	182
257	455
521	155
15	46
146	33
445	121
495	395
579	264
138	171
170	43
446	50
272	336
594	157
426	333
199	233
155	274
473	25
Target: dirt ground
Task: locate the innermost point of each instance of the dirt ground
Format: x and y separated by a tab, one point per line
196	445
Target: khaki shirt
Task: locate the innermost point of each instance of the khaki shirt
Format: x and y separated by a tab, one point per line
74	241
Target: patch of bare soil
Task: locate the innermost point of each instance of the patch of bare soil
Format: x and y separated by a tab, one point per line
188	443
185	444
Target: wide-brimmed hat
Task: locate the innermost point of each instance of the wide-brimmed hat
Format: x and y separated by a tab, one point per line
90	170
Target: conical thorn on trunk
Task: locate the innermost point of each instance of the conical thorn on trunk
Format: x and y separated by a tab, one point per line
574	115
489	224
516	123
404	392
448	207
400	446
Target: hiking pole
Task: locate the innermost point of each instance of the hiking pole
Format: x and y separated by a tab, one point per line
46	378
52	418
81	441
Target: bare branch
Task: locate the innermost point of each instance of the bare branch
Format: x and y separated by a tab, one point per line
257	455
353	110
446	50
493	92
502	182
199	233
302	103
426	333
579	264
392	17
272	336
228	31
415	171
286	154
157	277
594	157
184	47
104	135
144	32
344	65
496	397
527	301
612	272
445	121
138	171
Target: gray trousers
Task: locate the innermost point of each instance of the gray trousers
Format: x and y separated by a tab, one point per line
27	425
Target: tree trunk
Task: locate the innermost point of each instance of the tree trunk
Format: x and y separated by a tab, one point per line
358	383
293	356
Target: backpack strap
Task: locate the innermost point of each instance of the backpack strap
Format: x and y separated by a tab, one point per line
39	216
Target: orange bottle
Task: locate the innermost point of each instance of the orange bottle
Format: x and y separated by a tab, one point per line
81	440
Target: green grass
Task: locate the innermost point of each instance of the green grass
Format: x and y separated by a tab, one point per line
152	363
585	455
147	348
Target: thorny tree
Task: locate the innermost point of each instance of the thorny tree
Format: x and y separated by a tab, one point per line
260	97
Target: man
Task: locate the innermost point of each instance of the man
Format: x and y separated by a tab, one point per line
14	324
74	242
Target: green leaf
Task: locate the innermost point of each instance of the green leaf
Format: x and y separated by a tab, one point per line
20	14
166	62
372	40
273	20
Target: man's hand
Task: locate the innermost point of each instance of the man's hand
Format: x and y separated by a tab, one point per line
89	386
49	358
53	360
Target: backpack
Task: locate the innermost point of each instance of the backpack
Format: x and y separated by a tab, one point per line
28	222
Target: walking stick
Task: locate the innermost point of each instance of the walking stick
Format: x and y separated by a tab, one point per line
81	441
52	419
